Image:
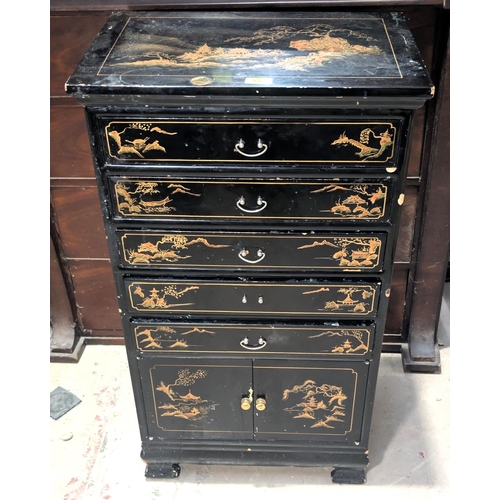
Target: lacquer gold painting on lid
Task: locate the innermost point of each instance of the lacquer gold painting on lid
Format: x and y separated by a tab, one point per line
285	47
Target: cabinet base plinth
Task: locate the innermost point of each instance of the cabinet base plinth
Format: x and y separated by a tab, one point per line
164	461
348	476
162	471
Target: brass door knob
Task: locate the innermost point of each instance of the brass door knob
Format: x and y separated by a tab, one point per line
246	401
246	404
260	404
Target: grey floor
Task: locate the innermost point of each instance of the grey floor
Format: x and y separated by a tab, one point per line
94	448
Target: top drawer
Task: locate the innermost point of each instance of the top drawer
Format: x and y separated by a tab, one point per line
346	143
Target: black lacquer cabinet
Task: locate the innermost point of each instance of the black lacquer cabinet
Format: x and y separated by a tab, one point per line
251	169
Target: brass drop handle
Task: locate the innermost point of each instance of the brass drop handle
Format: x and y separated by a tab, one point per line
260	404
246	401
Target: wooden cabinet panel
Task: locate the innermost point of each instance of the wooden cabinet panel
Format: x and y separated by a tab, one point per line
423	29
70	37
79	218
416	143
95	296
69	143
407	226
396	309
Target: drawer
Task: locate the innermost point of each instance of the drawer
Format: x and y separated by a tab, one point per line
256	200
321	299
341	341
256	251
345	143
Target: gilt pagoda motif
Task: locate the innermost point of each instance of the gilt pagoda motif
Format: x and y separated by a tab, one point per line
179	402
162	336
356	201
167	248
323	405
135	197
351	252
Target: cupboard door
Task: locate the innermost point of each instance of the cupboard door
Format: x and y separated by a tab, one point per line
315	401
196	399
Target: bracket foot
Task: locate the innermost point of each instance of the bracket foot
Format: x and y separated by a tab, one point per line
163	471
348	476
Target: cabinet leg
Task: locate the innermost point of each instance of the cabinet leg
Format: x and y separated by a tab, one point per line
342	475
163	471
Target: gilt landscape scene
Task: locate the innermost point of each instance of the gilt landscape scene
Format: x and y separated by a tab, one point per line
285	47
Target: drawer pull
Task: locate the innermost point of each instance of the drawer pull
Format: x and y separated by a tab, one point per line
246	401
244	252
260	202
260	404
241	144
260	344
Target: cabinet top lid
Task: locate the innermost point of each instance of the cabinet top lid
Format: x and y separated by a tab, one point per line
253	54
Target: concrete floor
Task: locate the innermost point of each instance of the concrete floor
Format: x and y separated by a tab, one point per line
94	448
